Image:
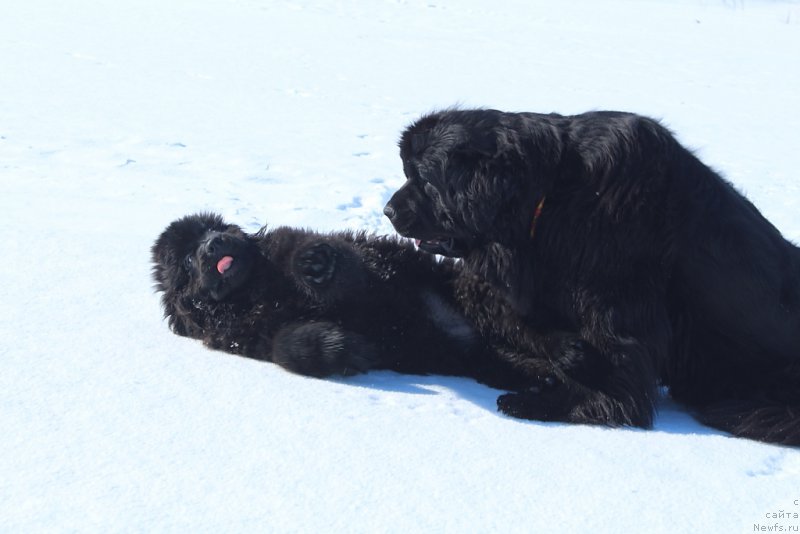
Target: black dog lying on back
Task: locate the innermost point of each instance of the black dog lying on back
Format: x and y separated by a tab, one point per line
321	304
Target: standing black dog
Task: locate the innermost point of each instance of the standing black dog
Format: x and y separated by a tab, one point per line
321	304
609	245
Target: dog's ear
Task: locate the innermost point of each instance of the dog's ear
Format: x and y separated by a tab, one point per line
416	138
471	144
179	315
418	142
482	141
468	141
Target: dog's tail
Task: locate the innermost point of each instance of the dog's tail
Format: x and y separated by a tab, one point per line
759	419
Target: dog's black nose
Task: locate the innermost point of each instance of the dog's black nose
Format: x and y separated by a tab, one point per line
212	242
389	211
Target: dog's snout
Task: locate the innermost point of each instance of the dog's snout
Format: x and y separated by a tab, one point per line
212	243
388	210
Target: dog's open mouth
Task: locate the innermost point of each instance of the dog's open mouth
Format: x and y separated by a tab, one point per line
450	246
224	264
233	273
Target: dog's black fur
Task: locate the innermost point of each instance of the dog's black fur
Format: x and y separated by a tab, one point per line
321	304
602	231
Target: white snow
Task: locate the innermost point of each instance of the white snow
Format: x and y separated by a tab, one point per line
118	117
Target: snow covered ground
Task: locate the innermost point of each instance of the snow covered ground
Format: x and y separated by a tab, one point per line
117	117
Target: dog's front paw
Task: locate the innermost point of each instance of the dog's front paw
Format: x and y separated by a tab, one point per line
574	355
579	359
544	400
316	264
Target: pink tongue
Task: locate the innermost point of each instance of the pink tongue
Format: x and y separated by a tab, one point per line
224	264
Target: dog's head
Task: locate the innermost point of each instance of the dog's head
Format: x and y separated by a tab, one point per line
199	259
463	183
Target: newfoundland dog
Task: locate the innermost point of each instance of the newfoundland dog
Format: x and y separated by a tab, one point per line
601	229
323	304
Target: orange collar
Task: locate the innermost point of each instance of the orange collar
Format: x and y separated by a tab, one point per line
536	215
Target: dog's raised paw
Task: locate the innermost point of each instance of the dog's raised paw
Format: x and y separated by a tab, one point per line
317	263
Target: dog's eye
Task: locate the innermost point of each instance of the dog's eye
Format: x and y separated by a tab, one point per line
188	262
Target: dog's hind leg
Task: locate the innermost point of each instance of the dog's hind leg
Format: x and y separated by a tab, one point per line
770	413
759	419
322	349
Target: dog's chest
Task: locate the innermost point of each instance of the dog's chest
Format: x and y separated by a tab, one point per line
446	319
